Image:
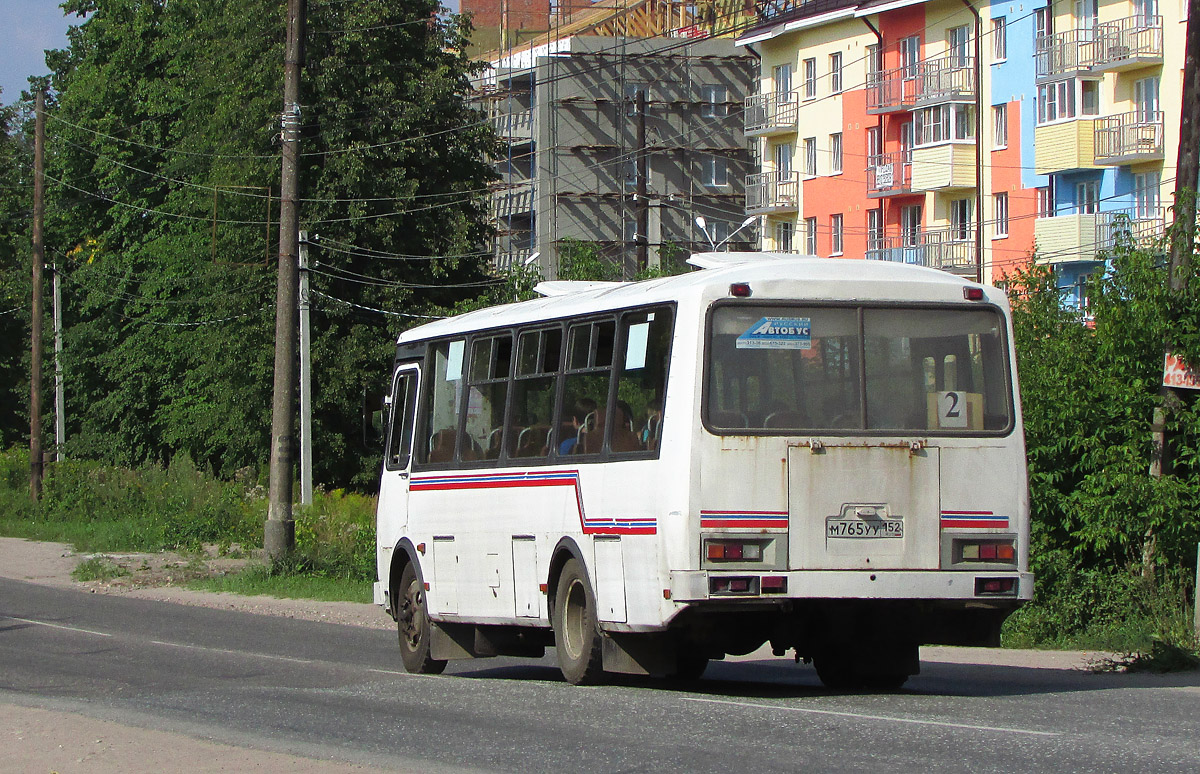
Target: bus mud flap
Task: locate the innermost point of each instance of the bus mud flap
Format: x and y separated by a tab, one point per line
449	641
637	654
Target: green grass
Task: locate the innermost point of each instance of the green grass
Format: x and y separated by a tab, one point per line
260	580
98	568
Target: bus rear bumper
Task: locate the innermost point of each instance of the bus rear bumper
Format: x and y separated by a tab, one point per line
983	586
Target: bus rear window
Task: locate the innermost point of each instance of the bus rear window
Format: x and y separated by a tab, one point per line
786	369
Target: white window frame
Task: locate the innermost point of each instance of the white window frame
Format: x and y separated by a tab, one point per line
958	45
1087	197
716	171
837	244
835	72
784	152
810	236
999	126
835	153
782	79
810	78
1000	215
784	236
910	54
810	156
962	218
1000	39
874	228
1147	194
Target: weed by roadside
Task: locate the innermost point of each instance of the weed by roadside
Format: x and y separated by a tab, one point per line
262	579
98	568
1163	657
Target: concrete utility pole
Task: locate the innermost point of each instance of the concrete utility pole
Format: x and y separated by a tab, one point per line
306	444
643	190
39	261
280	531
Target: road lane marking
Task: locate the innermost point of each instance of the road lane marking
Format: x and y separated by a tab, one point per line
232	652
860	716
58	626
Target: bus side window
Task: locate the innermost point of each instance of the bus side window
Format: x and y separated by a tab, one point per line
404	401
641	381
581	417
442	403
538	354
490	358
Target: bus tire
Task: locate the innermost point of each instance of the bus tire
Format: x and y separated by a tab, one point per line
413	626
576	633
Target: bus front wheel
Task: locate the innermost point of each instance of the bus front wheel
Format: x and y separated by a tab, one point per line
576	633
412	623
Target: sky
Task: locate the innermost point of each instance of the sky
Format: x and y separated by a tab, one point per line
30	27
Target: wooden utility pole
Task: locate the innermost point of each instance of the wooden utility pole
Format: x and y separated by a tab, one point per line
39	261
280	531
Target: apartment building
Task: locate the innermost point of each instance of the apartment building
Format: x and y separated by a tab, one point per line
965	136
620	141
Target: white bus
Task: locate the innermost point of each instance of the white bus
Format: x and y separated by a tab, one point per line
826	455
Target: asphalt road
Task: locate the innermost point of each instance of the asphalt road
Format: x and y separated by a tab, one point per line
339	692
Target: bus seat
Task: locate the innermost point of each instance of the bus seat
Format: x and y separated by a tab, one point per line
441	445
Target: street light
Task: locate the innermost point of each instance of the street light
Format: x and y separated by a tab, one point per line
702	223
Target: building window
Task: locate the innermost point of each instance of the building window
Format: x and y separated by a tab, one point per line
716	171
810	156
1146	187
1000	125
835	152
874	145
1043	24
1085	14
1056	101
961	219
810	236
944	122
874	229
716	100
783	236
835	72
958	43
910	225
783	82
910	54
1087	197
1089	98
1145	98
1046	207
874	61
810	78
783	158
1000	206
999	39
835	228
720	231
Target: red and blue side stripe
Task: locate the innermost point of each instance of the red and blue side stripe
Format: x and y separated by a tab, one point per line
632	525
743	519
973	520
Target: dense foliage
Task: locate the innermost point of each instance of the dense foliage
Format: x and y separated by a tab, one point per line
1109	541
163	166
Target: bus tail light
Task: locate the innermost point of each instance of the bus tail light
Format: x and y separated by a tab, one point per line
774	584
732	586
733	550
998	587
973	294
985	550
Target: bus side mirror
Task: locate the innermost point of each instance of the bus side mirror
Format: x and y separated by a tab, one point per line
374	412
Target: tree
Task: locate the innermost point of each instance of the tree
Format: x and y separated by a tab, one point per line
164	184
15	204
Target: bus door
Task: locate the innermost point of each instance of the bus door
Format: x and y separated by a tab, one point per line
393	491
863	506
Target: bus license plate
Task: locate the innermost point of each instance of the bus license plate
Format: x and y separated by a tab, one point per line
859	528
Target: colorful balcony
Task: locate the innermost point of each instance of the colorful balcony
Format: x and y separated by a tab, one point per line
889	174
928	82
1064	146
772	113
1129	138
946	166
1125	44
1122	44
769	192
1092	237
951	250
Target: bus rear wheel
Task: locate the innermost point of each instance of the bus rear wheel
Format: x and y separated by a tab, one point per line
576	633
412	623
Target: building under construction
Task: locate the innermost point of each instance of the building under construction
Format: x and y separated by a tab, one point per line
621	126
